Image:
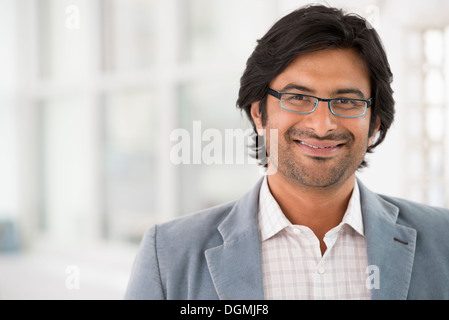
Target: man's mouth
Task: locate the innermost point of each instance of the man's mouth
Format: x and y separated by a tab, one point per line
319	148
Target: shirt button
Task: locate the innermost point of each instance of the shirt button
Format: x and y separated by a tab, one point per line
320	270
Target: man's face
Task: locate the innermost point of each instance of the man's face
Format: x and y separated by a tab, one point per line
319	149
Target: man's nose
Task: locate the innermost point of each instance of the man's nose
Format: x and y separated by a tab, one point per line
321	121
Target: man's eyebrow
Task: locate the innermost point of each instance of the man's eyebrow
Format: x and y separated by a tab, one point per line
291	86
352	91
337	92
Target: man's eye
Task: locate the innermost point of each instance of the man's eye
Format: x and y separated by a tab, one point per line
344	101
349	102
296	97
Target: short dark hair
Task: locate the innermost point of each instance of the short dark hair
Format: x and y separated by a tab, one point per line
312	28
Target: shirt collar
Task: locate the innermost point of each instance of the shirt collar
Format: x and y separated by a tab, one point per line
353	215
272	220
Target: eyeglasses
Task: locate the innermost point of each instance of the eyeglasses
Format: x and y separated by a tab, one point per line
304	103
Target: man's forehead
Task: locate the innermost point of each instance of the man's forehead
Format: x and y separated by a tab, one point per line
339	70
314	59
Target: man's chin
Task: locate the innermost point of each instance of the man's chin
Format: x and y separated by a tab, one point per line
322	176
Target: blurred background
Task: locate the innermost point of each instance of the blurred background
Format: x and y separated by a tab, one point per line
91	90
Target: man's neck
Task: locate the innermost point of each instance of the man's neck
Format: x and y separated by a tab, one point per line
320	209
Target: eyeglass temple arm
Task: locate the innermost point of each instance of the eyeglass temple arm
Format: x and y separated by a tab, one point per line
274	93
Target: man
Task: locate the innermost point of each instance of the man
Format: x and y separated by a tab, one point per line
320	80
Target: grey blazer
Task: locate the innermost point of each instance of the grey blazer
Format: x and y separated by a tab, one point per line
215	254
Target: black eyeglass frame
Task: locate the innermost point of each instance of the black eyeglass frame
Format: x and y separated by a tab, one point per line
278	95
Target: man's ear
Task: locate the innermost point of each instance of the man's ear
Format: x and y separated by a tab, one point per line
376	129
257	117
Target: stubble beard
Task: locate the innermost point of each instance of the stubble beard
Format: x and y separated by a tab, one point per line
316	172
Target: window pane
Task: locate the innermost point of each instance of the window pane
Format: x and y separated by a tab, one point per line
434	47
435	162
223	29
212	106
435	124
64	39
129	35
413	48
69	170
8	161
434	87
436	195
131	164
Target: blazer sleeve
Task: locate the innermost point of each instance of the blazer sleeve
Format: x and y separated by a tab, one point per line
145	280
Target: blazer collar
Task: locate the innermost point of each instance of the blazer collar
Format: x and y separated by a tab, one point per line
390	247
236	265
236	270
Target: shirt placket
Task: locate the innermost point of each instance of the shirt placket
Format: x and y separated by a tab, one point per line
323	277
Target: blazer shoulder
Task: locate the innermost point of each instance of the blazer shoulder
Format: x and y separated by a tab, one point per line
420	216
430	269
193	229
172	252
412	206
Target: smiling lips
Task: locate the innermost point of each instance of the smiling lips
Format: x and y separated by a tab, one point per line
319	148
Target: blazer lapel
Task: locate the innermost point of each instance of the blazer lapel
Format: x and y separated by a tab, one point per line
236	270
390	247
235	266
